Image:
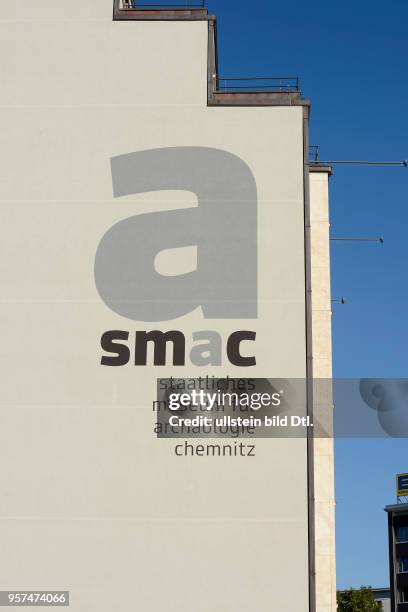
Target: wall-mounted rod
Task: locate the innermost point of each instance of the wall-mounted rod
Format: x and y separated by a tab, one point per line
339	301
403	162
358	239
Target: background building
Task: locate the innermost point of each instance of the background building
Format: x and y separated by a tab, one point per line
384	597
398	551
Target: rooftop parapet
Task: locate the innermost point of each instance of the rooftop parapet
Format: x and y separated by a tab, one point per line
245	91
133	10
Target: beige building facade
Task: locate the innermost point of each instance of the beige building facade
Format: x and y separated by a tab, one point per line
324	500
101	106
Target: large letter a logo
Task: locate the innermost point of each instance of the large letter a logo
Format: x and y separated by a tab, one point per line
223	227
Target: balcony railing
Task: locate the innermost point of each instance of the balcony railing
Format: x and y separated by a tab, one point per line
258	84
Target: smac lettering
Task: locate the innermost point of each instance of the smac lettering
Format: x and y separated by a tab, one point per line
207	348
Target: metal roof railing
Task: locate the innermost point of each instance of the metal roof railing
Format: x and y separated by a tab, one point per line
258	84
188	4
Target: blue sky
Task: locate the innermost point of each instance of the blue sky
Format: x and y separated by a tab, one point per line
352	61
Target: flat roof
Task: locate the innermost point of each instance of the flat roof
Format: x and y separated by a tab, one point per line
397	508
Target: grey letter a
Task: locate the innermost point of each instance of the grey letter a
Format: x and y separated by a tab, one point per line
223	227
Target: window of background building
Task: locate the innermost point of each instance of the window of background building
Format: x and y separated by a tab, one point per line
403	595
403	564
401	534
